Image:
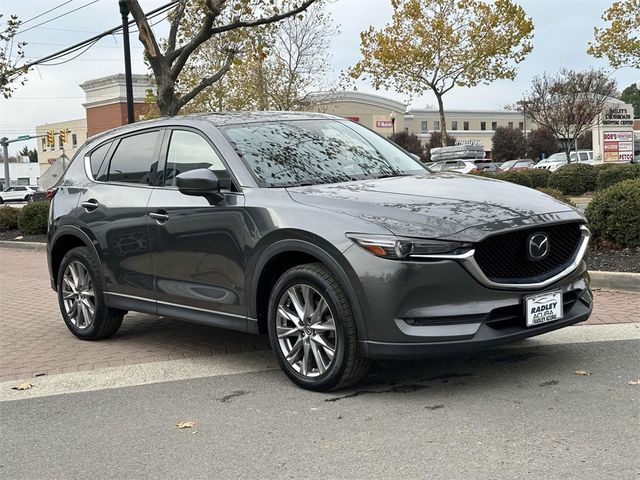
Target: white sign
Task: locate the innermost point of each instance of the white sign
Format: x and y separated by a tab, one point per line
617	117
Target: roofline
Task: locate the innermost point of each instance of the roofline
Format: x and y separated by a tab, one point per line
360	97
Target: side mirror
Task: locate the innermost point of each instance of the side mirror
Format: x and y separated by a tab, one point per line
200	182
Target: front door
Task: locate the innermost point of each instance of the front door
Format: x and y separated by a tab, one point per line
197	248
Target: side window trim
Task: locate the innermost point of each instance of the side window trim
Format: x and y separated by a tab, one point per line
105	162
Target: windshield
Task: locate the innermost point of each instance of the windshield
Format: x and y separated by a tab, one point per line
305	152
556	157
508	164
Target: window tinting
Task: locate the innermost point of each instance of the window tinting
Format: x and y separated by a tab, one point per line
189	151
290	153
135	159
96	159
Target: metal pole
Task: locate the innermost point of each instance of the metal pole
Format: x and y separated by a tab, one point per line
124	11
4	141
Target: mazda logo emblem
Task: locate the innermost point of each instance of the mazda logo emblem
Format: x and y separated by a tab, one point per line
537	246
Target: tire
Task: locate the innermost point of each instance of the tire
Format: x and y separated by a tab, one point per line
319	370
1	201
105	321
28	199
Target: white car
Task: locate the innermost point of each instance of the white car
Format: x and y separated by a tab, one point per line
20	193
559	159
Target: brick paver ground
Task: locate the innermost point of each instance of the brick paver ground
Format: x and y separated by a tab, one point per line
35	341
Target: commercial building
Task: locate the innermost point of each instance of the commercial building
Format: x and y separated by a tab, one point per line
20	173
47	155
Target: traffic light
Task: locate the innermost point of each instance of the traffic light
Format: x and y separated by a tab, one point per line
64	135
50	139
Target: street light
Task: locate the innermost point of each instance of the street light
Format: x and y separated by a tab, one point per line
523	104
393	123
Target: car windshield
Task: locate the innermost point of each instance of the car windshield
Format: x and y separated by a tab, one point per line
508	164
556	157
306	152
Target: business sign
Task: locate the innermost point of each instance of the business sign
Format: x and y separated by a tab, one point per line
619	116
384	124
618	146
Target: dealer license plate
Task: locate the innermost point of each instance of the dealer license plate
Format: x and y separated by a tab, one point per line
543	307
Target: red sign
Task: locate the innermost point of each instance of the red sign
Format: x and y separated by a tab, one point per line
353	119
610	146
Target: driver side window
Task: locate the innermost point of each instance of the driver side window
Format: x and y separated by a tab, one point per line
189	151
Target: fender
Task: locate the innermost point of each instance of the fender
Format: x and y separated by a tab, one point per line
338	266
73	231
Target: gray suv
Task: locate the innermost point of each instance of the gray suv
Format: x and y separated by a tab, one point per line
311	229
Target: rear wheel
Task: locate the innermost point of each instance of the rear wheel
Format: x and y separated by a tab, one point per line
29	199
312	330
81	297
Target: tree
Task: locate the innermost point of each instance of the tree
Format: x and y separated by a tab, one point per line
631	95
410	142
217	19
32	154
276	66
436	141
585	141
10	72
508	144
541	142
619	40
436	45
569	103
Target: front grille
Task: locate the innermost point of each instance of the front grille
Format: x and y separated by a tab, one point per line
503	258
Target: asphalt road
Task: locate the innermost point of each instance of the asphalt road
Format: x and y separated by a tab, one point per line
503	414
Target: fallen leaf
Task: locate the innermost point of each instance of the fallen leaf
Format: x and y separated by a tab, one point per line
189	424
581	372
22	386
634	382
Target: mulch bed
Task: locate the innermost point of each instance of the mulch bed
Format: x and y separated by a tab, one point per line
14	235
606	260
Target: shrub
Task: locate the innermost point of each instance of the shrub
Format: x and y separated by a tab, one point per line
574	179
521	178
33	218
611	174
614	214
539	177
8	218
557	194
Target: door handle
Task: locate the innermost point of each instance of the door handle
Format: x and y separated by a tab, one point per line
90	205
159	217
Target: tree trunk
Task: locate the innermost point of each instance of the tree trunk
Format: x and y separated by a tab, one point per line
567	151
443	123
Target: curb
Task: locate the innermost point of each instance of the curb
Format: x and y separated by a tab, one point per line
18	245
622	281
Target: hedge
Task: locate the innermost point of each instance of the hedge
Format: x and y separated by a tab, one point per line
33	218
519	177
557	194
614	215
8	218
609	175
574	179
539	177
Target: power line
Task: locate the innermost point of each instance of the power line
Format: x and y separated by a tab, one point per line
59	16
44	13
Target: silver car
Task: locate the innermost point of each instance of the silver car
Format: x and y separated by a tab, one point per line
21	193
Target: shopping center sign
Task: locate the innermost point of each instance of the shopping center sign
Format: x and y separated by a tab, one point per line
617	116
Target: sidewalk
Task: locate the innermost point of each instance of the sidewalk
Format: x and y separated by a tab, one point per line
34	340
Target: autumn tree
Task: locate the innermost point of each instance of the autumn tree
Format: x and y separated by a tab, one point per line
631	95
216	18
541	142
569	103
436	45
619	41
10	70
508	144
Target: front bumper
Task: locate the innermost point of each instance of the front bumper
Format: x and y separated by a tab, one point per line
418	309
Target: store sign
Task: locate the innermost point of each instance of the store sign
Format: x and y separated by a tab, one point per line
384	124
618	146
476	143
617	117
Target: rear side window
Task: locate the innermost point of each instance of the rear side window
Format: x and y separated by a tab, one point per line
97	160
135	159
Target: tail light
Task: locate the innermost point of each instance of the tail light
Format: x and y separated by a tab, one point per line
474	170
51	192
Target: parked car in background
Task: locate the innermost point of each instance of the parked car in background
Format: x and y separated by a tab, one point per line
20	193
557	160
462	166
515	165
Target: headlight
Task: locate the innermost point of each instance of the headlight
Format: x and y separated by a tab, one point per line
387	246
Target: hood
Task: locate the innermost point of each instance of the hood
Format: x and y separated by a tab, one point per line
447	205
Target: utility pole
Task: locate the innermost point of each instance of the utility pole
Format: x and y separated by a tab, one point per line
4	141
124	11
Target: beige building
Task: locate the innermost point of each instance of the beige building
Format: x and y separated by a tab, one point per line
49	154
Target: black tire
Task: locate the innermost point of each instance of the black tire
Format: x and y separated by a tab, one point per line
1	201
106	321
28	199
348	365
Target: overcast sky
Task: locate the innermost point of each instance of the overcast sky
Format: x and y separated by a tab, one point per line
563	29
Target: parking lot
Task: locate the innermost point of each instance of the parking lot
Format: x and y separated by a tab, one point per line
36	342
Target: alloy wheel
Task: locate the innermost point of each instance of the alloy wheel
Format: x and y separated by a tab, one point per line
306	330
78	295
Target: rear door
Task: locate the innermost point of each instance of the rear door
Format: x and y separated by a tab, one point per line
197	247
113	212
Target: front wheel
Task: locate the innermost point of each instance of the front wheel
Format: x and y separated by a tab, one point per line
29	199
312	330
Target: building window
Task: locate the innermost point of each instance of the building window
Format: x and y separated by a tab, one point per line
510	124
483	125
465	125
436	125
494	125
74	140
454	125
406	129
521	125
424	126
44	144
